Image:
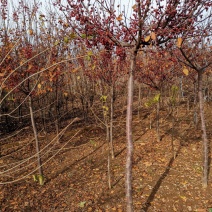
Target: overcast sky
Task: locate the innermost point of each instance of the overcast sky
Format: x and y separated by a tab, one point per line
124	5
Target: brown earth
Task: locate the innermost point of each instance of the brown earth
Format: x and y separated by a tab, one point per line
77	180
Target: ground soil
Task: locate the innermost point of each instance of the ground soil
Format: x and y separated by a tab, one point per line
76	177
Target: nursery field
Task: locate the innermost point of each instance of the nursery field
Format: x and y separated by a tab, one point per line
105	106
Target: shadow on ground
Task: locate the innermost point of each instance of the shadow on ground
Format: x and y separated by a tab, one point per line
155	189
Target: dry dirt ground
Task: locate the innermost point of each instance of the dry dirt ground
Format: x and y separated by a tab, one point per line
76	178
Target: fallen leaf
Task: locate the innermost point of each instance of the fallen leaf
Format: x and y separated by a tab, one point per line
147	164
183	198
82	204
201	210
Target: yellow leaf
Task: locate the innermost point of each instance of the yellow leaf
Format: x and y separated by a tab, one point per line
30	31
39	85
183	198
82	204
119	18
89	53
185	71
41	179
134	6
78	77
147	38
153	36
156	98
72	35
66	39
179	42
35	177
184	183
56	42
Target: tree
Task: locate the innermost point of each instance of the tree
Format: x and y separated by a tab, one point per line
153	23
157	71
22	63
108	25
196	54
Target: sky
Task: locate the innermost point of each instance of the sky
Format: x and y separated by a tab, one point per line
124	5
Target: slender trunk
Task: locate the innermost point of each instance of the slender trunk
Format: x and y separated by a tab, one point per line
195	105
57	130
109	153
139	100
204	133
107	133
109	169
107	125
57	113
42	114
172	141
20	113
150	121
36	138
129	136
158	121
208	89
111	121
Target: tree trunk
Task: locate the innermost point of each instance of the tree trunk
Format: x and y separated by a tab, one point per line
42	114
20	118
195	106
204	133
36	137
109	169
129	136
111	121
172	141
139	100
158	121
57	112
